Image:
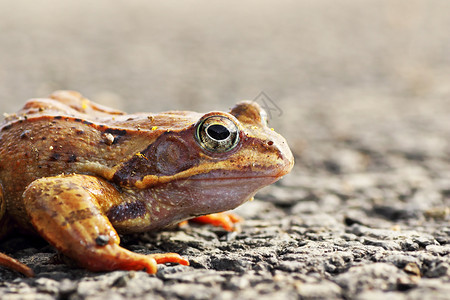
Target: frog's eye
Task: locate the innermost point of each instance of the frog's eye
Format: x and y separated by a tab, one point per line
218	134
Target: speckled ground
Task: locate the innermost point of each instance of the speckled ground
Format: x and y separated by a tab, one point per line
359	88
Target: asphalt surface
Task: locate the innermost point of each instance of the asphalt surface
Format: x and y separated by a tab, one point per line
361	91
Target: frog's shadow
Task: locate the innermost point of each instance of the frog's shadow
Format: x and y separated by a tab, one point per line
47	262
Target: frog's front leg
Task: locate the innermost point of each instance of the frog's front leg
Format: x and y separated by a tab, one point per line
69	212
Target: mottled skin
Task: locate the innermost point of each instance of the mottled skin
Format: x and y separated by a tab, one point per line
77	173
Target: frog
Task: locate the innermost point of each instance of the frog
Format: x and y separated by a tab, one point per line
78	174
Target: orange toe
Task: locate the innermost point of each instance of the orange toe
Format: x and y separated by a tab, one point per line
15	265
224	220
162	258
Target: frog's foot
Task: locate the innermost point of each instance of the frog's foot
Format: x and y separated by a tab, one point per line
68	211
225	220
162	258
15	265
114	257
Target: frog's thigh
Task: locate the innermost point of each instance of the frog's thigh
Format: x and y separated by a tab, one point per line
5	221
76	101
66	212
2	212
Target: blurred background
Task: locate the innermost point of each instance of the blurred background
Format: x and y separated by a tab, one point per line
373	72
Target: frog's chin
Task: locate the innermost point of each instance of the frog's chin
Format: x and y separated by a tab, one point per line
217	194
198	195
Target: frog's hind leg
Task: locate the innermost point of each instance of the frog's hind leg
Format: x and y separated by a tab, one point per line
11	263
68	211
5	260
76	101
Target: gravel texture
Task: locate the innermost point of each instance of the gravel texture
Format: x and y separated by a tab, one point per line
362	94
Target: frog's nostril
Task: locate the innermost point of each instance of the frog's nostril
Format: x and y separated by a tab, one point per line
270	143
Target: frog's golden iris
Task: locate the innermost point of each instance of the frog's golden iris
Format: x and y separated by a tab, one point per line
217	133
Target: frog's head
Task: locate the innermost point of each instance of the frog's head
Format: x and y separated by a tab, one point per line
214	163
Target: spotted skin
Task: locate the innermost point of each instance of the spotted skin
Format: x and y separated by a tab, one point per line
74	206
77	174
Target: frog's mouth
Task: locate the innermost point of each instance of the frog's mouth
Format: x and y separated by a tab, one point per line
211	178
221	171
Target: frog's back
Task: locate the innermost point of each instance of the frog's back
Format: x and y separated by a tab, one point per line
37	142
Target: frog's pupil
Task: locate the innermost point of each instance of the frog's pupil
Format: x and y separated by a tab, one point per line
218	132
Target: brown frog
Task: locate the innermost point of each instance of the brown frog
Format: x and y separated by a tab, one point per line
77	173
